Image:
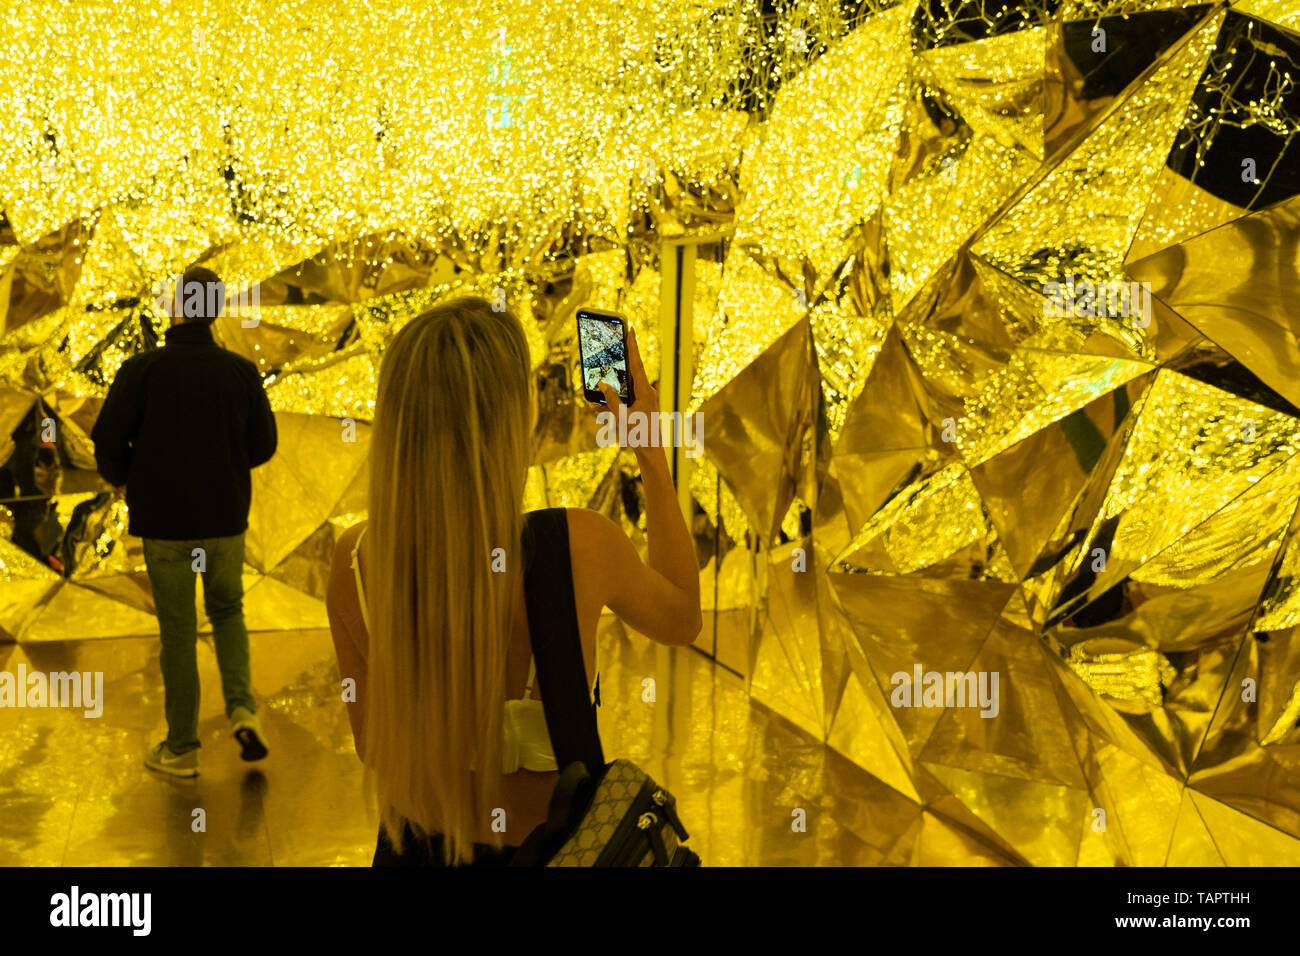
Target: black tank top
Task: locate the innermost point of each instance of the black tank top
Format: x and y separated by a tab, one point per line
561	676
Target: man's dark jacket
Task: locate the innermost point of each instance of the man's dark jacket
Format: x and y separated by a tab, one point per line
182	427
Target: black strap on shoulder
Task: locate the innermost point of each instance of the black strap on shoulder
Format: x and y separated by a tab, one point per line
557	644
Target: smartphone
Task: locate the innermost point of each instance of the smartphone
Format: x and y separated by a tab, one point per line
602	349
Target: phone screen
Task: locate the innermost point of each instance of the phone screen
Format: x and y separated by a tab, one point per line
602	345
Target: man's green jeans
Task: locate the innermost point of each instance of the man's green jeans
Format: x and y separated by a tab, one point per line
173	566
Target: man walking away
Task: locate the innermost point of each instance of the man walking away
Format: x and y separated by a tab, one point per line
179	433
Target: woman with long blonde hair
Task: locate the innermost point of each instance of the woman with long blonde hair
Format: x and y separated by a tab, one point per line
432	600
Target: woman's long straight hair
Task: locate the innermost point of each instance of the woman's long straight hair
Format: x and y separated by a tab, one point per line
449	458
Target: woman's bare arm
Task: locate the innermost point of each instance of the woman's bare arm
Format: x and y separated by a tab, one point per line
349	632
659	598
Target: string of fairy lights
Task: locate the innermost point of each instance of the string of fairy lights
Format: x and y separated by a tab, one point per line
323	120
270	130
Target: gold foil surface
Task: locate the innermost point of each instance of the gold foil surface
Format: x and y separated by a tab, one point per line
998	512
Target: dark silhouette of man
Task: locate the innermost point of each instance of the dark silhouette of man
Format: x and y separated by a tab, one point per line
180	431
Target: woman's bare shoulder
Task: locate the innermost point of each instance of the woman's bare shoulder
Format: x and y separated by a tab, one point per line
589	529
346	542
595	544
590	534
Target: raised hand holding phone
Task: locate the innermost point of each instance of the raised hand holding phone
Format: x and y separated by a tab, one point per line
644	398
602	349
670	549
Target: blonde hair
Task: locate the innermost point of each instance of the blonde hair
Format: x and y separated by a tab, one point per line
449	458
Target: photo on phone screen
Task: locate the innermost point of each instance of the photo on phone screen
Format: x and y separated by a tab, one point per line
602	347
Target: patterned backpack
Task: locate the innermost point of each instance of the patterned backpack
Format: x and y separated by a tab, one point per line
617	816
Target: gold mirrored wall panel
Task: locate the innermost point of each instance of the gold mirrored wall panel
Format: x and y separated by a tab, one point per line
992	351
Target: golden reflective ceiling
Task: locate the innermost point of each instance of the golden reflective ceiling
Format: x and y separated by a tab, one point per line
910	457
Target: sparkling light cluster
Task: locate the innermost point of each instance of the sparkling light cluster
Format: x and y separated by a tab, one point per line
907	458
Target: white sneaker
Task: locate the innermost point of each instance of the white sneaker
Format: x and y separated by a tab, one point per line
160	758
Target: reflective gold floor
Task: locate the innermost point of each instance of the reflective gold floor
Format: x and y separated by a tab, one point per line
73	790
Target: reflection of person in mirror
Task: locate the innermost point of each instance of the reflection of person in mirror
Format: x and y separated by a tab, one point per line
179	433
29	484
48	475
